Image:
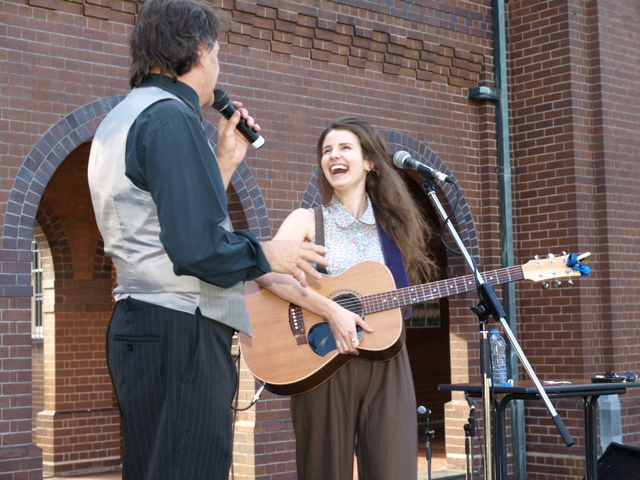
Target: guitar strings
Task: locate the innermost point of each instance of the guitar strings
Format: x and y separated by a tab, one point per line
420	293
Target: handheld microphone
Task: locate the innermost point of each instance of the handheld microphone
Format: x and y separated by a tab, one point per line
227	108
403	160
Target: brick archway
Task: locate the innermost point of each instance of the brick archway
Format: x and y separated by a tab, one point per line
446	413
27	202
462	220
46	156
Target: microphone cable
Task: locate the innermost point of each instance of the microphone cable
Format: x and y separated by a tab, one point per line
255	398
235	409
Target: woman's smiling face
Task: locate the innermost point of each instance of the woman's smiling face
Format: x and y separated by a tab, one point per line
342	161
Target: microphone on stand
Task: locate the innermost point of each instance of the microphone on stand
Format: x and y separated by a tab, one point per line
428	436
226	107
404	161
472	405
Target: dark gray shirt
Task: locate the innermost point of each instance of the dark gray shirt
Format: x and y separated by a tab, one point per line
169	156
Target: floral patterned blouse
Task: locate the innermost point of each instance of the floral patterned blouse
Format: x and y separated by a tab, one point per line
349	240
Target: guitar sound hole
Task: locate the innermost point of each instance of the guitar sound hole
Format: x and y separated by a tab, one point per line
350	302
320	337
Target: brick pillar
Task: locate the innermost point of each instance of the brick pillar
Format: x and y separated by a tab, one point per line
79	428
17	454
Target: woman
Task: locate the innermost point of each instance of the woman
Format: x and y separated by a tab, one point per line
366	407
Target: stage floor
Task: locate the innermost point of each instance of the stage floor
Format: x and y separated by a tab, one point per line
438	467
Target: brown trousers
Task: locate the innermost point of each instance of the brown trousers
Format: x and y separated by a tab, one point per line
368	408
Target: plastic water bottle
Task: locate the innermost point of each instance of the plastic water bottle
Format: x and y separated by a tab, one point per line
498	358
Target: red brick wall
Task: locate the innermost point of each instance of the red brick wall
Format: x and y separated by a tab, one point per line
616	155
318	64
574	83
17	453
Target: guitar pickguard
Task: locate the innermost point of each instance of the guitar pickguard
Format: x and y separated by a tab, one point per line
322	341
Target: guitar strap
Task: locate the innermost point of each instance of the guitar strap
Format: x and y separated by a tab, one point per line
390	251
319	233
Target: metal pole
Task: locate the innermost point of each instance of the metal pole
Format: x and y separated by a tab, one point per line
506	225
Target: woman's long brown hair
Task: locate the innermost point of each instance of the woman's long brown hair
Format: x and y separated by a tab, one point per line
395	208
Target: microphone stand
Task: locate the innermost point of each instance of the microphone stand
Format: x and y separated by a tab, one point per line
469	433
489	305
428	437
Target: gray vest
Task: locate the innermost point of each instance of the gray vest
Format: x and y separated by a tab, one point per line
128	221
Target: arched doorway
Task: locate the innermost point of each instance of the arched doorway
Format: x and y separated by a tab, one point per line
430	341
76	421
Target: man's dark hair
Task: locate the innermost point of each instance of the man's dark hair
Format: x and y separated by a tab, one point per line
167	36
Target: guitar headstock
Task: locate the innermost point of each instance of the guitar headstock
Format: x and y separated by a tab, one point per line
556	268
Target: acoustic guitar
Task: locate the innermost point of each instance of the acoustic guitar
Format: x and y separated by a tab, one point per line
292	350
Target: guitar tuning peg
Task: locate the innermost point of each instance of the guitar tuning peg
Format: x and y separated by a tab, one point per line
557	283
545	285
564	253
536	257
551	255
570	282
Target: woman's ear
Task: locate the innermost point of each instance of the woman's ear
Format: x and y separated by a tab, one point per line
368	165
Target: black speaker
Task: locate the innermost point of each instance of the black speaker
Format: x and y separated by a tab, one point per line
619	462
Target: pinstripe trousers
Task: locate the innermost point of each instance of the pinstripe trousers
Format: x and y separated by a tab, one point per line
174	379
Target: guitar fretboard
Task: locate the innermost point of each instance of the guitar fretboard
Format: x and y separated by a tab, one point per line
443	288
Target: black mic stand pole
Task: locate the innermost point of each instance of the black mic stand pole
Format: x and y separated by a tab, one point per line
489	305
469	433
428	437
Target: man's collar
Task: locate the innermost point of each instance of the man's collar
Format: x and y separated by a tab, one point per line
178	88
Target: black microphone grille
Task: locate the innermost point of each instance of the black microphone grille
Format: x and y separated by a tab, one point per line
220	99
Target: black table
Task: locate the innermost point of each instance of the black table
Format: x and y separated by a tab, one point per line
526	390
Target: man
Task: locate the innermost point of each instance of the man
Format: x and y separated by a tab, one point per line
159	195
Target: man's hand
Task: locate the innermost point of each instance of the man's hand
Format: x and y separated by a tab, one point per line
294	258
232	146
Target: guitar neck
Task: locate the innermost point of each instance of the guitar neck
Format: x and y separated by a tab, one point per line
443	288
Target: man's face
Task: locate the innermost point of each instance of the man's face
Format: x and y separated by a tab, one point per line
211	72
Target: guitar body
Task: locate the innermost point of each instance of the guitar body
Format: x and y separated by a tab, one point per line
287	367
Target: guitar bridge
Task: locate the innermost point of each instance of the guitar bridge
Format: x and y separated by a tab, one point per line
296	321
